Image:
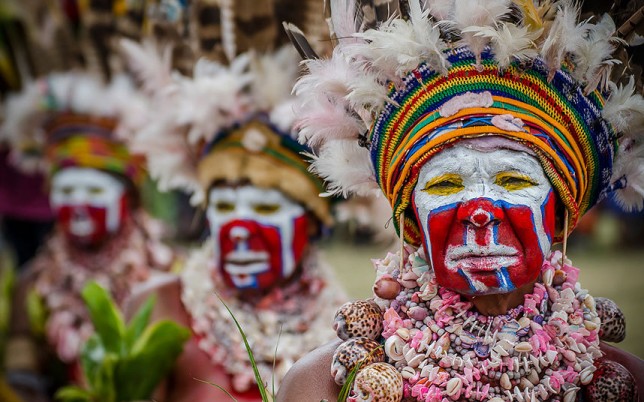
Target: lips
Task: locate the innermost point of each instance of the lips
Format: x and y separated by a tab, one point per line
243	263
481	259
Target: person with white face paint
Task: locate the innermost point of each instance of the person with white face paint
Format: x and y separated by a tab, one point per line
101	233
264	214
490	136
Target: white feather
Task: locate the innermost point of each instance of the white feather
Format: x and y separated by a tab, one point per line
346	167
478	13
624	108
629	173
440	9
321	122
273	77
343	20
150	65
564	36
509	42
593	57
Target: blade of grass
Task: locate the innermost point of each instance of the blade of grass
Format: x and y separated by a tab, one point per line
348	384
218	386
279	335
258	377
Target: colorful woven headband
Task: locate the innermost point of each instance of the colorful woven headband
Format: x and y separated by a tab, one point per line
258	153
86	141
563	126
405	82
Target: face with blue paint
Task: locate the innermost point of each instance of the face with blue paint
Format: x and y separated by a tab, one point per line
487	216
260	235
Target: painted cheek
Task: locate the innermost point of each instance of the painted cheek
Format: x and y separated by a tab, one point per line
83	225
300	238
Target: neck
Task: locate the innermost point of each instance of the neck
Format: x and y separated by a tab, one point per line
497	304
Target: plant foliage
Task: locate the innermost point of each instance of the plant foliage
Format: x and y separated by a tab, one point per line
124	362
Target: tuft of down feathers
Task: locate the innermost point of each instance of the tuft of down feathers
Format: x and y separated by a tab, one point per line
628	178
509	42
624	109
346	167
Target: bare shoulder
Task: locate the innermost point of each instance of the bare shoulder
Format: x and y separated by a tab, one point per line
309	380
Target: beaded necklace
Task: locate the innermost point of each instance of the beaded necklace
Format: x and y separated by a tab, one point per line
443	348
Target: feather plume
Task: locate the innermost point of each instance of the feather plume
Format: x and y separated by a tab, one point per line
441	10
531	18
624	108
509	42
593	61
478	13
628	178
151	66
322	122
329	78
345	20
273	76
299	41
564	36
346	167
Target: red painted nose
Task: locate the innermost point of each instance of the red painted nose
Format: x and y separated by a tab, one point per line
479	212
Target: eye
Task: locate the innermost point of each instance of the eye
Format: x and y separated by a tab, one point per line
96	190
444	185
266	209
224	207
513	181
67	190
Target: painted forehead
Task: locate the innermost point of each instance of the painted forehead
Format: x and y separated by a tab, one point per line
74	176
467	160
250	193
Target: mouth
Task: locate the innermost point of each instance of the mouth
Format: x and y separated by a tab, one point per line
244	263
481	260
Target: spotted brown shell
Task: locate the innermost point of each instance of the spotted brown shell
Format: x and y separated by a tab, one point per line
352	351
611	383
613	323
360	318
378	382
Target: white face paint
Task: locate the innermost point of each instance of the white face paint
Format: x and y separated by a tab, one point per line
258	233
487	218
84	191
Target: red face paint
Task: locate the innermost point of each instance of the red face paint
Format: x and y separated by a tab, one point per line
86	225
483	246
252	253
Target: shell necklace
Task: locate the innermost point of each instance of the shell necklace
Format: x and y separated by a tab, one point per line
544	348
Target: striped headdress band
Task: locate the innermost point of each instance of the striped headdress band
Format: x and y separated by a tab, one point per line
559	123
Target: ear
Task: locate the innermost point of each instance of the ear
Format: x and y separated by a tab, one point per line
560	216
314	226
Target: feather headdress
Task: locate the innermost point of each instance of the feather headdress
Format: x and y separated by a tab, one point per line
390	82
228	119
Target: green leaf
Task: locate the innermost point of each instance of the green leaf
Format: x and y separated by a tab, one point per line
137	324
73	393
151	358
106	317
258	378
7	279
36	312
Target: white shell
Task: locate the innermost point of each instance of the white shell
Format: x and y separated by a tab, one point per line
454	386
523	347
586	375
505	381
394	348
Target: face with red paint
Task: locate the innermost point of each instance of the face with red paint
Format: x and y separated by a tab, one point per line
90	205
487	216
260	235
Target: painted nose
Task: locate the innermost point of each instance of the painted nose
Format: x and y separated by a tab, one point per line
239	234
480	212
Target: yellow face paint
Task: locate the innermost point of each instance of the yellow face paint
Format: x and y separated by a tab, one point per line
513	181
445	184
